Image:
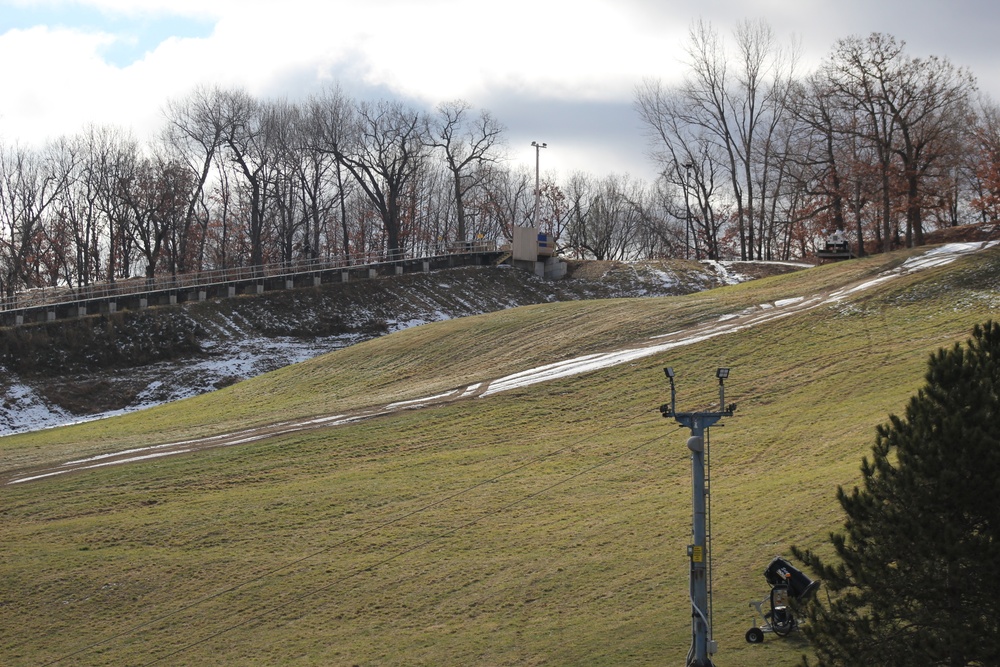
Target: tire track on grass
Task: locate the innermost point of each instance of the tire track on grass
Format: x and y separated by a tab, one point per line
751	317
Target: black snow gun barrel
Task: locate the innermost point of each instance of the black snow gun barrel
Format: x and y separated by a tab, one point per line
781	572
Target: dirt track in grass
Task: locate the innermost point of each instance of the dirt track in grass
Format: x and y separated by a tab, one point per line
751	317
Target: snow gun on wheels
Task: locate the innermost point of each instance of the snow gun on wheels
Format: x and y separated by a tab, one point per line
787	584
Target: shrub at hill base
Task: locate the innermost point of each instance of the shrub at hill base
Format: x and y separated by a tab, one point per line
914	579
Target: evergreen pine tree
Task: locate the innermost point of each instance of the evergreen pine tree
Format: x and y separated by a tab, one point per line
915	580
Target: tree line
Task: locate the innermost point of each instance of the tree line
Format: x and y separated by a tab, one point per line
233	180
874	142
755	161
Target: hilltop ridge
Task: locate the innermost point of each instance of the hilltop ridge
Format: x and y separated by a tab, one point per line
62	372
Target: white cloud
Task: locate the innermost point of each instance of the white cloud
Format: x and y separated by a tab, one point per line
584	55
51	79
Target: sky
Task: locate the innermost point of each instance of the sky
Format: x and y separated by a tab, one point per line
563	73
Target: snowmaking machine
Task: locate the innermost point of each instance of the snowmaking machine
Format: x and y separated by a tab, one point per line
787	584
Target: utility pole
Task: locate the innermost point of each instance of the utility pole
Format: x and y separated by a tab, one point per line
687	209
699	552
538	190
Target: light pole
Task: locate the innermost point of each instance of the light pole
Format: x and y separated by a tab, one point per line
538	191
699	552
687	209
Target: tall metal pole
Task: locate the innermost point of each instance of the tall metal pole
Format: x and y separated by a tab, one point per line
538	190
687	210
702	645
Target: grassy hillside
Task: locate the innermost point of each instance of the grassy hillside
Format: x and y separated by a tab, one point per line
545	525
55	373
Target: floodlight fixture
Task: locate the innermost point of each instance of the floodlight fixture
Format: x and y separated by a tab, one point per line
700	548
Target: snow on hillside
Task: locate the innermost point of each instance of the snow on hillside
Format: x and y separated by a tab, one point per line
729	323
247	342
24	410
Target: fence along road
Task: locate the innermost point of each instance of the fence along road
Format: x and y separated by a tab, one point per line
53	303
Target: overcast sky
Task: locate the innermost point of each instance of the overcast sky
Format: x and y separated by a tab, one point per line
558	72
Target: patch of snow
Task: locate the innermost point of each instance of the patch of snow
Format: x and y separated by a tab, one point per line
726	274
665	279
586	363
132	459
407	324
939	256
25	411
418	403
780	309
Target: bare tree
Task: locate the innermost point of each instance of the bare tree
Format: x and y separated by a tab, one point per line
79	216
505	200
109	159
738	110
389	151
289	215
313	171
983	162
678	145
468	144
248	135
933	118
606	217
331	128
860	70
913	111
30	184
196	131
220	243
156	192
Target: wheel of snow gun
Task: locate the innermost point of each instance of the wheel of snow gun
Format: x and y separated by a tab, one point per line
755	636
782	623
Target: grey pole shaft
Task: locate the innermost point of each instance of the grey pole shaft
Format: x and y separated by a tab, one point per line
702	646
699	548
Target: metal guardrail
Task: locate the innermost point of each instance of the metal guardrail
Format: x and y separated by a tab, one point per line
135	287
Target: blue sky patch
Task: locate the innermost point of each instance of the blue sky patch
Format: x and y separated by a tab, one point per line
135	34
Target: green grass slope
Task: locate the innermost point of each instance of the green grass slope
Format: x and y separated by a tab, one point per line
546	525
